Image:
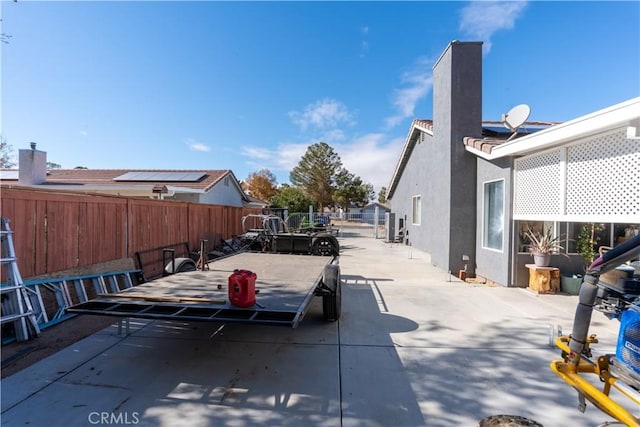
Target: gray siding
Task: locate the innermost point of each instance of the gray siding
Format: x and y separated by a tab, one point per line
224	194
417	180
458	113
492	264
440	170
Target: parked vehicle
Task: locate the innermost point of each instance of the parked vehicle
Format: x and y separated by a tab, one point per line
269	233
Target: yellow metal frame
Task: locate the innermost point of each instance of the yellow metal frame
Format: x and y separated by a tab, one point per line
570	373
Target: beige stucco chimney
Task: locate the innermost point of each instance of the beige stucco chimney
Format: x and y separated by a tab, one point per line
32	166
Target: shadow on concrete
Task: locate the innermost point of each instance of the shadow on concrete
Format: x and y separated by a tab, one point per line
447	361
375	387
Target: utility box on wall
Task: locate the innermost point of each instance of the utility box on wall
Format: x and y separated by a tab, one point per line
389	226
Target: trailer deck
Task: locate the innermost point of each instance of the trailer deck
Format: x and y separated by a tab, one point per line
285	286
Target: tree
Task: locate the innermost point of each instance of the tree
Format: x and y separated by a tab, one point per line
351	190
586	242
6	151
382	195
261	184
316	173
292	198
51	165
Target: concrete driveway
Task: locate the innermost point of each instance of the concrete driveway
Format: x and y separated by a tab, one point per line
414	347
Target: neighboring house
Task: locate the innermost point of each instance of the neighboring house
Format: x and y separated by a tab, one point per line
369	212
254	202
219	187
463	188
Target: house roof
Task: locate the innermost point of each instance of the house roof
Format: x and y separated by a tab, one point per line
374	204
179	181
417	126
255	201
493	134
614	117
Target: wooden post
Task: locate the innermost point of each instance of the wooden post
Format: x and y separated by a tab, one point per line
203	263
544	280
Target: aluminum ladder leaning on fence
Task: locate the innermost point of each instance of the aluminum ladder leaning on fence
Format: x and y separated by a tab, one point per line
16	304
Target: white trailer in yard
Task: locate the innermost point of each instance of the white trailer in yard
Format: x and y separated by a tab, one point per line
285	285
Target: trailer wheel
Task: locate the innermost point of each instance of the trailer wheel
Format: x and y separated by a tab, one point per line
180	265
332	301
325	244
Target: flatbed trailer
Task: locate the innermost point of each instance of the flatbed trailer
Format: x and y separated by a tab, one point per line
285	287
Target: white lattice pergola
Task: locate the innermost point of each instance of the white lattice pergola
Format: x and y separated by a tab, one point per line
593	179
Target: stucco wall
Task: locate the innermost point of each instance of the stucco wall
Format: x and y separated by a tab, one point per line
417	179
439	169
458	113
493	264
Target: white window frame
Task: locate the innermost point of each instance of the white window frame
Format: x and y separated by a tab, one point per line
416	209
485	219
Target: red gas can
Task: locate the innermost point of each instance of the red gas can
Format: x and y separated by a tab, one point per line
242	288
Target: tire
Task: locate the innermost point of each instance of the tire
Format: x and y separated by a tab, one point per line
181	265
508	421
332	301
325	245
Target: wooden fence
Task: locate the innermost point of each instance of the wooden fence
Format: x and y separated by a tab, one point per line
59	230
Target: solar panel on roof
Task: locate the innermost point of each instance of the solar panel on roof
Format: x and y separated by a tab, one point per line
161	176
497	129
524	129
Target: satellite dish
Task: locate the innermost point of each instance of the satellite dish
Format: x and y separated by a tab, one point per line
515	118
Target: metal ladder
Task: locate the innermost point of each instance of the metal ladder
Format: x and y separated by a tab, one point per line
16	304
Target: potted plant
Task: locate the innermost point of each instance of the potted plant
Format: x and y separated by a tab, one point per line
542	245
586	242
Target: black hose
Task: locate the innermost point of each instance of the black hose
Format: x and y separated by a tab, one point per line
582	318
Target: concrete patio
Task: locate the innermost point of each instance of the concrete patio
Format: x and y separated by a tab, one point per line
414	347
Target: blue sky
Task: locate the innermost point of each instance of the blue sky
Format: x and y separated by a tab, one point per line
249	85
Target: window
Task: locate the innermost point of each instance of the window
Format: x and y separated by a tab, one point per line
604	234
601	235
415	218
493	215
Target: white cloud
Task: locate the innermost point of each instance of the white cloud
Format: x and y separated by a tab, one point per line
372	157
418	82
364	48
197	146
332	136
364	44
323	114
481	19
283	158
288	155
256	153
